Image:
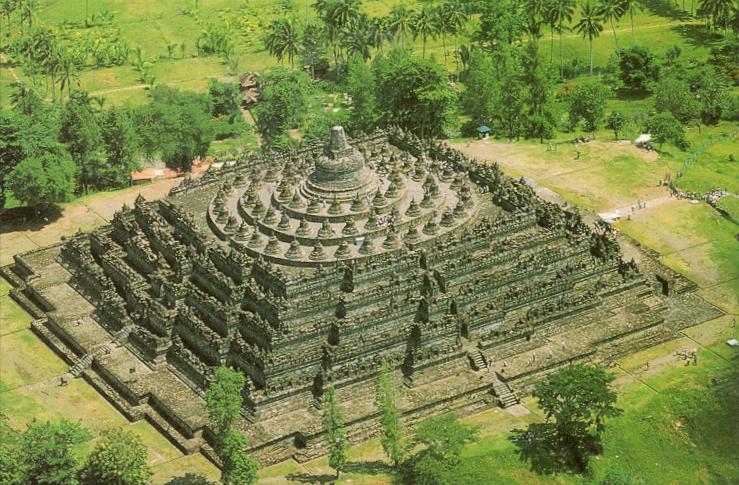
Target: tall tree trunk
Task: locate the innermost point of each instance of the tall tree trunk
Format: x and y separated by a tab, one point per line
633	32
615	39
561	59
591	56
551	44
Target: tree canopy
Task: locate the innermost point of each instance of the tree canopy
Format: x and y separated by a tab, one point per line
119	458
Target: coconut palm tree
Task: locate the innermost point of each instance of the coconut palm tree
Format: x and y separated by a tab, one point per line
425	26
559	13
589	26
67	73
456	18
7	7
611	11
283	39
534	11
401	22
380	32
717	13
631	6
357	38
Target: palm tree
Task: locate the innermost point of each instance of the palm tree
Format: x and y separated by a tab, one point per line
534	11
549	18
380	32
611	11
24	99
401	22
357	38
27	12
631	6
589	27
718	12
283	39
424	24
456	17
561	12
67	73
7	7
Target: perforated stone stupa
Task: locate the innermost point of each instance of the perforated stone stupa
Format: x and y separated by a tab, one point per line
310	267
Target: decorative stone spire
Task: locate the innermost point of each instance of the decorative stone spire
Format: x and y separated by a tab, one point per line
350	228
459	209
391	240
221	214
372	223
367	246
431	228
272	174
326	230
284	224
231	226
259	208
447	220
256	239
243	233
392	190
413	209
272	245
318	254
342	251
303	228
286	193
426	202
412	235
314	207
271	216
294	252
358	204
297	201
335	208
379	199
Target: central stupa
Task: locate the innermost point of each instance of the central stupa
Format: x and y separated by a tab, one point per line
340	172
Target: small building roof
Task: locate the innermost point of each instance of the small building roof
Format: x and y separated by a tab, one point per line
483	129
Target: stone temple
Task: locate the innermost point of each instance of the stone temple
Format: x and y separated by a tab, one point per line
308	268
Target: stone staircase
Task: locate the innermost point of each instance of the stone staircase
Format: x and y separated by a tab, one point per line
506	396
477	359
86	361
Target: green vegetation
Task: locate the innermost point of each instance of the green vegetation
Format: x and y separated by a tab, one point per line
333	422
223	401
119	458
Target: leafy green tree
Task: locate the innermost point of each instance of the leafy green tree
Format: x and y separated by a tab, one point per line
482	91
43	180
538	78
579	398
589	26
283	103
13	145
80	132
119	458
638	68
121	146
239	468
392	433
511	110
360	84
615	121
674	95
223	401
334	424
48	456
10	454
24	99
176	125
587	103
665	127
441	440
414	94
226	98
712	91
502	24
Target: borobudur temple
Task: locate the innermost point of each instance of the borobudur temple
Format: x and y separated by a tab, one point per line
308	268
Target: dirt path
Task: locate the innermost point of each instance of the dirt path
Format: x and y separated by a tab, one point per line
11	70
